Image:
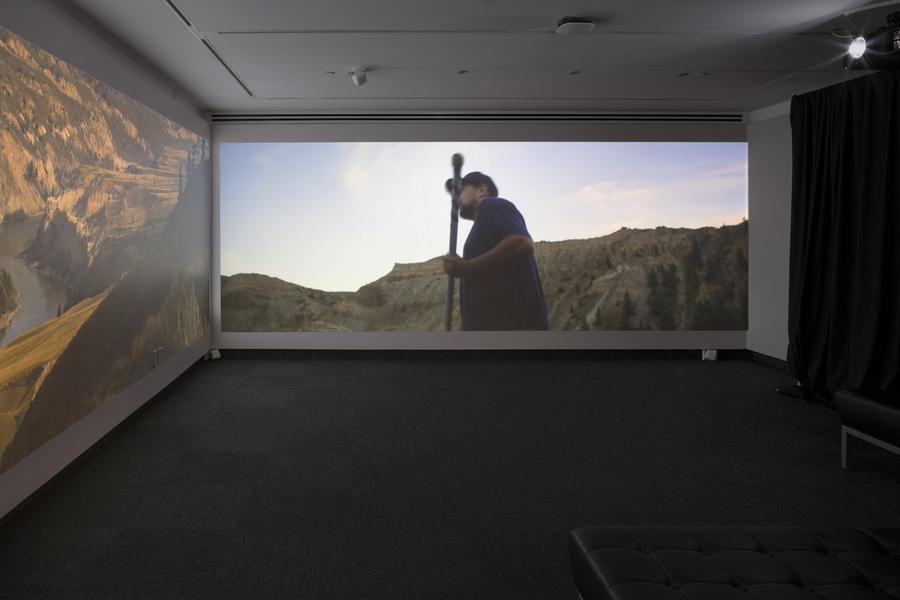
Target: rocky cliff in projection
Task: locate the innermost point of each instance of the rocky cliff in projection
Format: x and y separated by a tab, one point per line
9	299
160	302
114	199
632	279
57	121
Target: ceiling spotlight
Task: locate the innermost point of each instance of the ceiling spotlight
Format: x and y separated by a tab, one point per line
569	25
876	50
359	77
857	48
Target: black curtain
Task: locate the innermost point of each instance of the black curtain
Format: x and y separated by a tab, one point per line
844	297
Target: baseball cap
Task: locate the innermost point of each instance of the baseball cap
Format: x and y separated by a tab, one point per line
476	178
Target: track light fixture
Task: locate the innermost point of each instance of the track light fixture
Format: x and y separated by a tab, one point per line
857	48
876	50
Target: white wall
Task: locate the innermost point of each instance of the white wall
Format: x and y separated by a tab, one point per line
48	26
769	137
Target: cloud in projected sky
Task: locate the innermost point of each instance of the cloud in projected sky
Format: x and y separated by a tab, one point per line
336	216
687	202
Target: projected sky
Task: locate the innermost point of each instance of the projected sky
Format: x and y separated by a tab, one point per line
335	216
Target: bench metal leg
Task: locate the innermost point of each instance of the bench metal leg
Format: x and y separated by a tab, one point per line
843	447
845	431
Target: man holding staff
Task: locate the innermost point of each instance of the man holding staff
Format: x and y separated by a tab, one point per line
500	288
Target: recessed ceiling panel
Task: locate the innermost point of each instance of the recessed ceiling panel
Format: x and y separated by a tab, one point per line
511	84
509	65
465	15
756	53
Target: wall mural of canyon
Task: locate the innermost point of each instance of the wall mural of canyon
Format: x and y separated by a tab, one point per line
349	236
104	245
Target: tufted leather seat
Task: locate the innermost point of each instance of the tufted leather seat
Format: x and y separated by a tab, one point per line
728	563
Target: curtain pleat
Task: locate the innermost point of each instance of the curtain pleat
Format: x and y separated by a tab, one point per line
844	296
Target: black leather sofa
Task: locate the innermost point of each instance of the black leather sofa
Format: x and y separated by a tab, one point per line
871	416
723	563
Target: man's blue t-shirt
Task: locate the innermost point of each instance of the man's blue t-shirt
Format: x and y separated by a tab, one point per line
508	298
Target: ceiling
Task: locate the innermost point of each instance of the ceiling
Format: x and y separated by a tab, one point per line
488	55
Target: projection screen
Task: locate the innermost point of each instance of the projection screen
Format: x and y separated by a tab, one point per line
628	235
104	244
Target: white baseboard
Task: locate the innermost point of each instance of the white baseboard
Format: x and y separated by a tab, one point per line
485	340
29	474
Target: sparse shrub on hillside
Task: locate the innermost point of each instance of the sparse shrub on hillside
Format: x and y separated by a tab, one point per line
17	215
629	310
30	171
605	264
712	269
691	264
693	259
718	312
241	299
8	292
663	284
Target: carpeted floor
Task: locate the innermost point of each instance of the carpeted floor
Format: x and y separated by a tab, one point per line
427	479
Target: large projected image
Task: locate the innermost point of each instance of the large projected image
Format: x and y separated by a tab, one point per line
104	259
553	235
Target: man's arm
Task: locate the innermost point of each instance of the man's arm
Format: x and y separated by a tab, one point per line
510	247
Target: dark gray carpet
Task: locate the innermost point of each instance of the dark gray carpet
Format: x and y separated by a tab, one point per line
427	479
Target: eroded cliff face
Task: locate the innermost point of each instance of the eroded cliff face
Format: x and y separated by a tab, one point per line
101	224
104	170
648	279
632	279
9	299
123	198
161	301
55	118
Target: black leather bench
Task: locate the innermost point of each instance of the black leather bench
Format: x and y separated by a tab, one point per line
725	563
871	416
